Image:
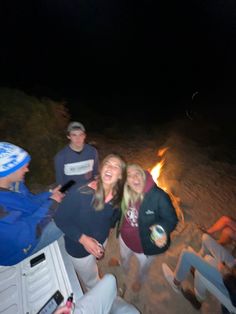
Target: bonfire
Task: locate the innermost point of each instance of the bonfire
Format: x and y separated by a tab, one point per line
156	172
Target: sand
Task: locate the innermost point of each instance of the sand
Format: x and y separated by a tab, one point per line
200	172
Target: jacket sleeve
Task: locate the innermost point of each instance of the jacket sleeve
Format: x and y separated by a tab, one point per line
38	198
30	218
167	213
65	217
26	204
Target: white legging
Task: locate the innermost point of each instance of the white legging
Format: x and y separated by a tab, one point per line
87	270
143	260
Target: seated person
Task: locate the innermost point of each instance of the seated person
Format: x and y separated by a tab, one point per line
101	299
226	226
213	262
26	224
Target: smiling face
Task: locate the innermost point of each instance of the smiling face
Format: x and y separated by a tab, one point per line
135	179
111	170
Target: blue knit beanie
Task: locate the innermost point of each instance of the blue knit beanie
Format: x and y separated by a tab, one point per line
12	158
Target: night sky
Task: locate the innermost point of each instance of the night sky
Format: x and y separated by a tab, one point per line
117	54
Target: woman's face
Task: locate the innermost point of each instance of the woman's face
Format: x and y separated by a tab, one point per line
111	171
135	180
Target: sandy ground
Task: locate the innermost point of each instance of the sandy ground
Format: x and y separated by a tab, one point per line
200	172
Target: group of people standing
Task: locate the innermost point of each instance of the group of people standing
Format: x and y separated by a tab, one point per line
117	195
106	195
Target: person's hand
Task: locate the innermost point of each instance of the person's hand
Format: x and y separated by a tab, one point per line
92	246
56	194
161	241
63	310
93	185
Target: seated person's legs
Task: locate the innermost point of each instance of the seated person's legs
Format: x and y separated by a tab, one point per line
120	306
226	236
223	223
100	298
188	259
219	224
185	261
210	246
200	287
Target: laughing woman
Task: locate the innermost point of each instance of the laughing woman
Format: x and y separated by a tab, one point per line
88	213
145	207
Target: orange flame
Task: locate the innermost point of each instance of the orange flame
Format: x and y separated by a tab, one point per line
162	151
156	171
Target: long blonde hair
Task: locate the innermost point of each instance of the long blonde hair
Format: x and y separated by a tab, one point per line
117	191
130	197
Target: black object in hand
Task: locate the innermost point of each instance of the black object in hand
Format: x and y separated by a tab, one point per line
52	304
66	186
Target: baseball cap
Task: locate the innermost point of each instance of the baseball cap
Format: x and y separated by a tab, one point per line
75	125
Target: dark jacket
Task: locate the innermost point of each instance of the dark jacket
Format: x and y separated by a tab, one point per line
76	216
156	208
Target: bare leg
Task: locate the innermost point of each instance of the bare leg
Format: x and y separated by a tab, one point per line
219	224
227	226
226	236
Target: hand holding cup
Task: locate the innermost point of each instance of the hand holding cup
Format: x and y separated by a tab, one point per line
158	235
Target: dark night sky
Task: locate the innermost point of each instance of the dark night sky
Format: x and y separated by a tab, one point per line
120	53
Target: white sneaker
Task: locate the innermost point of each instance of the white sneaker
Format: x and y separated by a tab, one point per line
169	275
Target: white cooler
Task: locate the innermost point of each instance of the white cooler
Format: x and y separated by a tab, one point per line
25	288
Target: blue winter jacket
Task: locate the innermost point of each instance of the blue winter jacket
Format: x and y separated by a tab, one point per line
20	214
